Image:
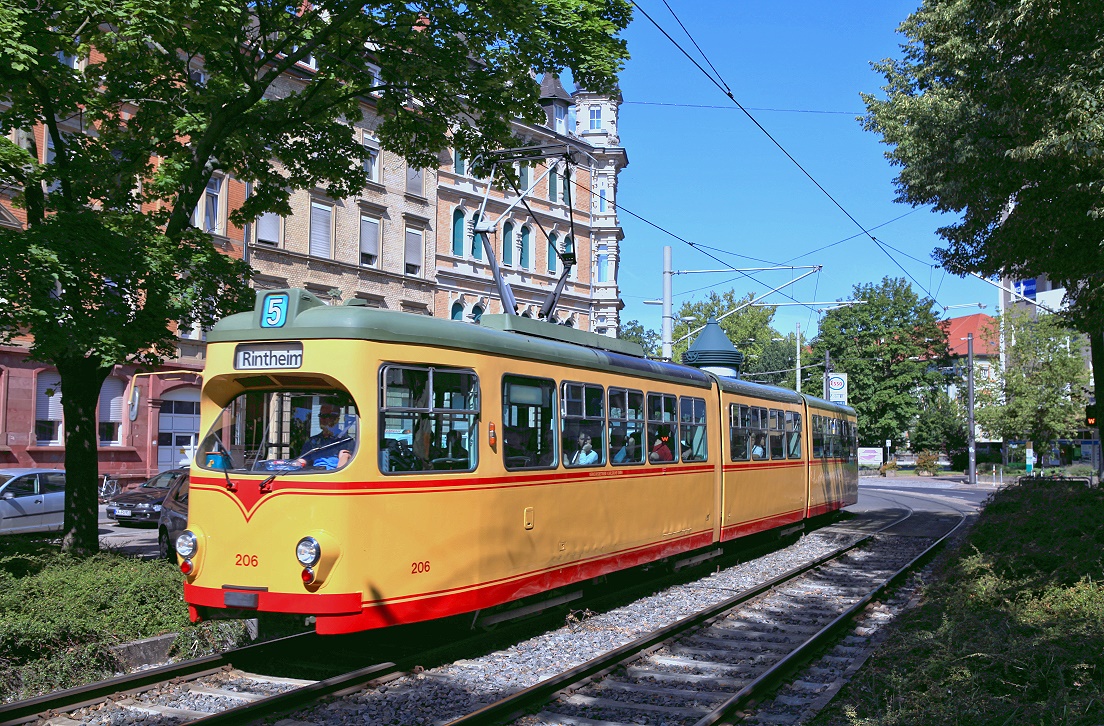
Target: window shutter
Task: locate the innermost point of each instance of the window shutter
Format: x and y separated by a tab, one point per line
320	230
48	407
268	228
414	252
458	233
508	244
369	237
111	400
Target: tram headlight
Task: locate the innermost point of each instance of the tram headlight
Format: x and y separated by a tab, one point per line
186	544
308	552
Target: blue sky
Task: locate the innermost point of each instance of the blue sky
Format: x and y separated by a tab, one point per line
713	178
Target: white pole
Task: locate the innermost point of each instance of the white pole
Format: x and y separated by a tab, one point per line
798	373
668	315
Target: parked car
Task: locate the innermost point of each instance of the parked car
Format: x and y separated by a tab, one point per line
31	500
143	505
174	518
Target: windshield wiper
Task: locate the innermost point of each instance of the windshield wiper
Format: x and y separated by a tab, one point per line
272	477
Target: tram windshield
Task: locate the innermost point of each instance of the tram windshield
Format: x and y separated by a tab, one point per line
282	431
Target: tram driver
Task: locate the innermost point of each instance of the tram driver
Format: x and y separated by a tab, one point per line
326	450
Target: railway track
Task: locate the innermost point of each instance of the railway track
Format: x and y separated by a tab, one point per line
720	664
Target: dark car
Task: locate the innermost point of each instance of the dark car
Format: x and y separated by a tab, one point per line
144	503
174	518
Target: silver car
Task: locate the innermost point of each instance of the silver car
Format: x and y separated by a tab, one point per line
31	500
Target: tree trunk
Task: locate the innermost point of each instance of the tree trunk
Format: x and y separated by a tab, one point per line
1096	347
81	380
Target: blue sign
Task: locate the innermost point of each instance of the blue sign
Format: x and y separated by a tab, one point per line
275	310
1026	288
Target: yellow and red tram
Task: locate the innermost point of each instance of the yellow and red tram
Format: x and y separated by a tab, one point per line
371	468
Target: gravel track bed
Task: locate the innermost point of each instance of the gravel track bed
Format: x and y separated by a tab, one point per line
437	695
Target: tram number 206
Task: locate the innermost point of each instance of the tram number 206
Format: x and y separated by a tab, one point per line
243	560
418	568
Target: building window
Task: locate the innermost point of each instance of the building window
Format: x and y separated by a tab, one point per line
603	264
552	254
48	415
371	159
458	162
415	181
111	412
595	118
206	214
523	248
561	118
369	240
569	248
321	230
457	312
268	229
477	240
508	243
553	191
415	251
524	179
601	200
458	233
477	314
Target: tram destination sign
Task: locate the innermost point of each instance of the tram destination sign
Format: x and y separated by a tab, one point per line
255	357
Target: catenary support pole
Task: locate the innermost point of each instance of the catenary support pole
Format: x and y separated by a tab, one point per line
668	303
971	443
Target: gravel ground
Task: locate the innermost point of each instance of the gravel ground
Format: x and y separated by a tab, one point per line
438	694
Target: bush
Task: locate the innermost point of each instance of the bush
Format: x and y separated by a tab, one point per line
890	465
927	462
62	614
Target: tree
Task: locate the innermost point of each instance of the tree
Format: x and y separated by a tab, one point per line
993	112
139	104
647	338
775	362
748	329
1040	395
940	425
888	348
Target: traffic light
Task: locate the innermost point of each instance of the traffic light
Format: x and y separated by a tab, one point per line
1090	414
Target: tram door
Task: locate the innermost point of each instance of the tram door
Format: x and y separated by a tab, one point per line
178	428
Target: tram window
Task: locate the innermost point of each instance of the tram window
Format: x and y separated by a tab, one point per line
758	426
282	431
662	428
428	419
832	439
626	426
739	418
693	429
529	422
793	434
777	434
583	424
818	436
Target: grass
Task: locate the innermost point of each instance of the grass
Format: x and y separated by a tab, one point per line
1011	632
60	615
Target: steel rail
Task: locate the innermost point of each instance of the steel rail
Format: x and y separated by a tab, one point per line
502	709
770	677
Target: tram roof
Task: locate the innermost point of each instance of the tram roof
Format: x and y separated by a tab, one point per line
310	319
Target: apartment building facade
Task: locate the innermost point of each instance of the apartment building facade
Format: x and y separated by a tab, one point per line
394	245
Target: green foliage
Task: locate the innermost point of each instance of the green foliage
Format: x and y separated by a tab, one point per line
749	329
927	462
1040	396
62	614
993	112
940	424
1011	631
889	348
775	362
647	339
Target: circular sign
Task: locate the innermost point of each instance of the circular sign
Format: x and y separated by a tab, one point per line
836	383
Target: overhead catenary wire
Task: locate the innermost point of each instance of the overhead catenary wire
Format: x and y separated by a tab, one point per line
723	87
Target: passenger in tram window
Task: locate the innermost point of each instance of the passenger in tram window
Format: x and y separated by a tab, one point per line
759	446
454	446
586	455
661	449
629	453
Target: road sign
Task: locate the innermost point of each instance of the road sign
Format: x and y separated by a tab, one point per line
837	387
